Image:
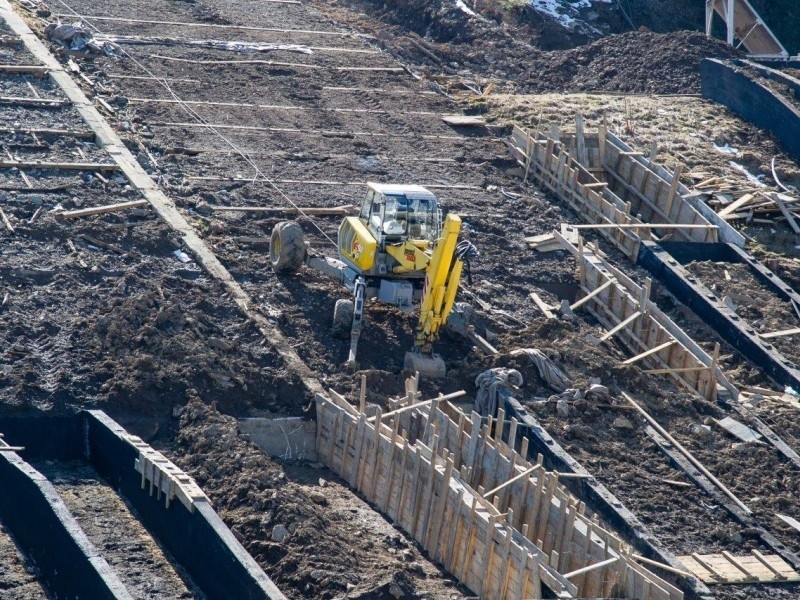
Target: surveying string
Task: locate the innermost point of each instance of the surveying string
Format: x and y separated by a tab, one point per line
199	119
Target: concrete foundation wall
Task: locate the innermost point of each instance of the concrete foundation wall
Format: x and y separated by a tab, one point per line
716	315
36	516
198	540
728	84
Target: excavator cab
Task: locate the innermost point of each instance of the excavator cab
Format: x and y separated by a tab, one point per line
396	213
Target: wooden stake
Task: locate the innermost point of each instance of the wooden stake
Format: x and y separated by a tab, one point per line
591	294
98	210
650	352
8	224
687	454
621	326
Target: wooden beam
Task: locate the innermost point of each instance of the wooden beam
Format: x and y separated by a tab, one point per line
786	213
403	409
39	164
510	481
272	63
678	446
32	69
644	226
650	352
621	326
594	567
591	295
338	211
12	448
7	223
681	370
545	308
661	565
99	210
775	334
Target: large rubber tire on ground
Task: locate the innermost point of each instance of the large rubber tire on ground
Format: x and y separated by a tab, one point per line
287	247
342	319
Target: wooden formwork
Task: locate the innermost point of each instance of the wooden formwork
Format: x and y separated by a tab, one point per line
503	526
608	183
547	161
625	309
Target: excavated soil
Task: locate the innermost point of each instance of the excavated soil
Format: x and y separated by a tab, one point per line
754	302
308	531
610	440
519	59
114	530
18	575
137	331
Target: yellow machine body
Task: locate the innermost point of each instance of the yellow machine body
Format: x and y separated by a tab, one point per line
356	244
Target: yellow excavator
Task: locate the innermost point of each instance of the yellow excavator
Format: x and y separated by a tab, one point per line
398	250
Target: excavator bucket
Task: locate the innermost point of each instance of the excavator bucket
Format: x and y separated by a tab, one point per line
427	365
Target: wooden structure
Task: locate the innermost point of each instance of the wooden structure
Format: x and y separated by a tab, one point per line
627	196
726	568
743	23
504	526
625	309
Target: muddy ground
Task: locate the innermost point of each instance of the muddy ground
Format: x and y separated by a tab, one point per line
139	332
18	575
610	440
517	58
302	524
120	538
754	302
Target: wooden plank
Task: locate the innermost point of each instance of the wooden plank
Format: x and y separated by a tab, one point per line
39	164
687	454
645	226
792	522
545	308
464	120
775	334
32	69
786	213
338	211
591	295
99	210
621	326
650	352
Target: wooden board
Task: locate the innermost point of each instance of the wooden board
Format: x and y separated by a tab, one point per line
723	568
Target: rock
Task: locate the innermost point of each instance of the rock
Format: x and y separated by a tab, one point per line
203	208
279	532
395	591
562	408
322	482
703	432
566	311
318	498
593	339
622	423
754	400
220	344
599	391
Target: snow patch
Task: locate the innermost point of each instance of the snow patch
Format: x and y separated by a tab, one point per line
754	179
564	11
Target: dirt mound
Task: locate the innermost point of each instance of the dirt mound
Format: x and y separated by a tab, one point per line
641	61
312	536
524	52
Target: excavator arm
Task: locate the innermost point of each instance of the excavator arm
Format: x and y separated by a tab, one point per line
441	284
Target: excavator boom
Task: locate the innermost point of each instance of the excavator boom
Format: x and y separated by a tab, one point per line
441	284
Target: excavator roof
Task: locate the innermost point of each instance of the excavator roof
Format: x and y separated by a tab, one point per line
393	189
